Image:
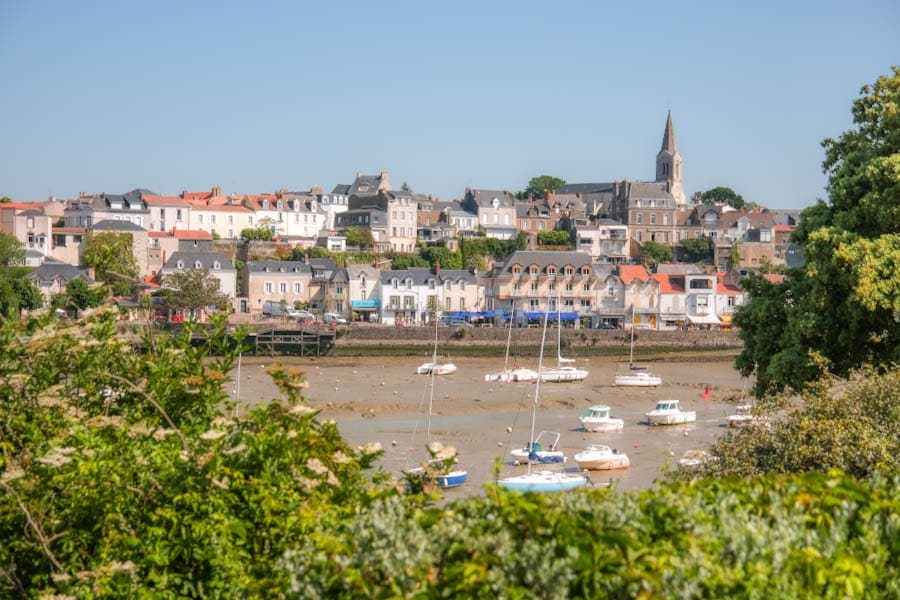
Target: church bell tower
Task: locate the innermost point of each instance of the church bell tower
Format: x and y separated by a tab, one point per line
668	163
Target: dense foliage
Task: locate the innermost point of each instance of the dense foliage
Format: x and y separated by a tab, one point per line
538	185
112	257
79	295
359	237
696	249
815	536
842	309
257	234
852	425
653	253
721	195
16	291
122	477
193	289
554	238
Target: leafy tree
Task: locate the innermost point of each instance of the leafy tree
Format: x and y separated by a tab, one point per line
537	185
553	238
12	251
194	289
5	200
653	253
405	187
440	254
845	300
403	260
722	195
112	257
696	249
121	476
849	425
80	295
360	237
735	258
256	234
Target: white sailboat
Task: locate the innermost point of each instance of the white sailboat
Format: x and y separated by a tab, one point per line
441	461
636	376
516	374
541	481
564	372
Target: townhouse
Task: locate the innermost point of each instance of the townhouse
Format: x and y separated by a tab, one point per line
416	296
495	211
285	282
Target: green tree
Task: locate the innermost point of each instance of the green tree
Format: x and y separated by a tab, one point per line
734	258
844	302
16	291
406	260
79	295
112	257
5	200
405	187
194	289
554	238
256	234
360	237
653	253
447	258
696	249
12	251
722	195
818	435
537	185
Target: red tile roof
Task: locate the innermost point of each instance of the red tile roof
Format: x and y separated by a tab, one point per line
159	234
724	288
166	200
22	205
669	284
774	278
76	230
785	227
630	272
191	234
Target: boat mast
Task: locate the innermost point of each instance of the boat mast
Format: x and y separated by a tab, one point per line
537	391
631	355
559	359
433	369
509	339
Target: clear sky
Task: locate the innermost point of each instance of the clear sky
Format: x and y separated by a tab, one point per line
257	96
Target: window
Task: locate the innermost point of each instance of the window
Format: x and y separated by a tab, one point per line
230	233
29	222
409	302
395	302
198	264
395	284
640	236
653	218
665	219
298	287
250	220
552	287
179	265
200	219
282	287
639	218
268	287
212	219
568	287
462	286
569	271
526	224
540	225
533	271
586	287
339	289
231	219
217	265
409	284
178	214
534	287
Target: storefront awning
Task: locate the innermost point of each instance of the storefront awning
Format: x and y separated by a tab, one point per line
709	319
364	304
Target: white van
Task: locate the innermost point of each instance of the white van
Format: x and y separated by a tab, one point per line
329	318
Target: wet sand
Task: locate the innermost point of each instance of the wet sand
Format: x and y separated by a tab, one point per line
382	399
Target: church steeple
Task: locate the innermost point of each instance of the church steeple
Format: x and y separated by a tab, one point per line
668	163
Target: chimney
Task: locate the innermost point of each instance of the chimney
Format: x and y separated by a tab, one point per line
437	268
217	190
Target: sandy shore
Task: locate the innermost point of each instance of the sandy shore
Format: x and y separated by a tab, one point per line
383	400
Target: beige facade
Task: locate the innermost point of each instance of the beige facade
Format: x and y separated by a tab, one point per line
276	281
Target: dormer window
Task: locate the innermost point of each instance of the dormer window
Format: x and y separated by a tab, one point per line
517	271
409	284
198	264
569	271
217	265
533	271
279	205
431	284
265	205
395	284
179	265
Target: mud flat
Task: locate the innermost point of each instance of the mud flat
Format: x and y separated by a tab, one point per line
382	399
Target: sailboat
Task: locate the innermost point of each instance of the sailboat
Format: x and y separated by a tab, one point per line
564	372
439	465
636	376
541	481
517	373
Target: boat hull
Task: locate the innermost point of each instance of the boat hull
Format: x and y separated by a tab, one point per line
676	418
513	376
542	457
602	425
602	463
543	481
563	375
453	479
637	380
439	369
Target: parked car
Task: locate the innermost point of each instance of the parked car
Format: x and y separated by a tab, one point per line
456	323
333	319
301	315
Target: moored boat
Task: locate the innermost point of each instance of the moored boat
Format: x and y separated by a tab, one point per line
437	368
540	452
637	377
596	418
667	412
597	457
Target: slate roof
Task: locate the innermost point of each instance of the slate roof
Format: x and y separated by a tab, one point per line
584	188
51	270
206	260
113	225
648	189
420	276
342	189
275	266
545	258
31	213
604	222
356	271
678	269
486	197
668	143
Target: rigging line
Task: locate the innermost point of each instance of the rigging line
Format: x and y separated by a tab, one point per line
512	429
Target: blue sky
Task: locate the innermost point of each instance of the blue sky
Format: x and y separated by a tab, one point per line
109	96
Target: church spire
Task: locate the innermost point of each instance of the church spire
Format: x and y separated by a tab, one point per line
668	144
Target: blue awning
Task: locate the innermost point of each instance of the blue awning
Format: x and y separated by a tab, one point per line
551	316
365	304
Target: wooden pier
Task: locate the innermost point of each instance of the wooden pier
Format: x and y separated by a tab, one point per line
304	341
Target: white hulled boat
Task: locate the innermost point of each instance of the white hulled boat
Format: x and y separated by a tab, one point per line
596	418
597	457
667	412
541	481
565	370
516	374
636	376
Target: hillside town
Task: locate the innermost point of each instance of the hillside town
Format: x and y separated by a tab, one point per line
336	252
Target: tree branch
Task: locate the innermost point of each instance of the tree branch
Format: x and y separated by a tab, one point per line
34	526
156	405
